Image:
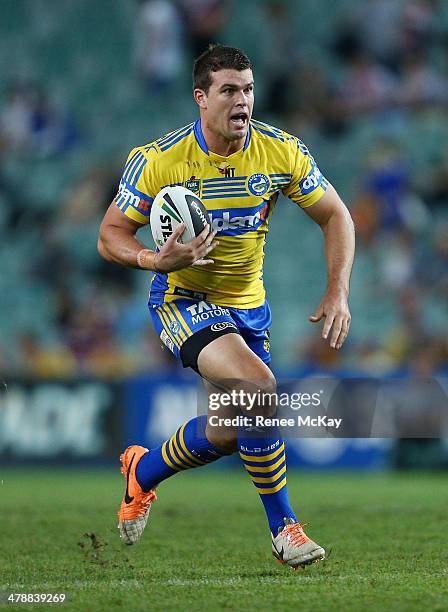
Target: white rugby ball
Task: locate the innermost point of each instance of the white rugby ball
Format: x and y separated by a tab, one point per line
173	206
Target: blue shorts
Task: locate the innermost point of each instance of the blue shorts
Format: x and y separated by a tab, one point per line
186	326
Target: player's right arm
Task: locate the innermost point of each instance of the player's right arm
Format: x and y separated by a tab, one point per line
130	211
117	242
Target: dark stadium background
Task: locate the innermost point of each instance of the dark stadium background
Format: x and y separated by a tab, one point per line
363	83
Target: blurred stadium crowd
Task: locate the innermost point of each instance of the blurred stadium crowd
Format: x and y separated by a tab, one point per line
363	82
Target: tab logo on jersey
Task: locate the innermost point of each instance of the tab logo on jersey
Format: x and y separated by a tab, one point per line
258	184
235	221
128	195
312	180
203	311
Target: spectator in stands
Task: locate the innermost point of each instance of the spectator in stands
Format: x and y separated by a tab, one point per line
377	24
388	186
158	45
366	86
204	22
432	262
44	360
281	57
31	123
419	26
433	185
421	84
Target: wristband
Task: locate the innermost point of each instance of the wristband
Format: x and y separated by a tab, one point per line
141	257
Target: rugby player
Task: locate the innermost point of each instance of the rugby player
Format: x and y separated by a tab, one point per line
207	299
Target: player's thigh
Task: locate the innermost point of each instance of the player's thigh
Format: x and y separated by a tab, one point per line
233	368
230	358
236	381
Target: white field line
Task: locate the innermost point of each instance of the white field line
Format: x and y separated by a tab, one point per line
186	582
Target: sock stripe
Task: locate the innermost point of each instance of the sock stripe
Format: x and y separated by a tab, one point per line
167	460
263	458
265	468
275	489
191	462
270	485
268	474
185	449
269	479
175	457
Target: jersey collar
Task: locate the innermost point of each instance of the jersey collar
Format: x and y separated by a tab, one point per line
201	140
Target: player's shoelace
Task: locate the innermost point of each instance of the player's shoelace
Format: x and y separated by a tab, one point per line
145	500
295	534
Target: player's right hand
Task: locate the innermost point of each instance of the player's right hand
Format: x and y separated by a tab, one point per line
174	255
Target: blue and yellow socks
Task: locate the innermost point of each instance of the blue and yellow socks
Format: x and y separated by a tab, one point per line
263	457
187	448
265	461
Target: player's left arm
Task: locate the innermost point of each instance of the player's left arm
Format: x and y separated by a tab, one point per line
333	217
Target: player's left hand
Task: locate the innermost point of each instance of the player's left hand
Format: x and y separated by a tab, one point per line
334	308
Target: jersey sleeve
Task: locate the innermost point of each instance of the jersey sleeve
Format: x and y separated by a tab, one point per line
136	190
307	184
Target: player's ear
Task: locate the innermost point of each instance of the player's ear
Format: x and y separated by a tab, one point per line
200	97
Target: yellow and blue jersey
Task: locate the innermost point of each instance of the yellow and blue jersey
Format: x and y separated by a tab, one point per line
239	191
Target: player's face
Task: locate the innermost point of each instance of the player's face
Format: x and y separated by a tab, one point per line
228	104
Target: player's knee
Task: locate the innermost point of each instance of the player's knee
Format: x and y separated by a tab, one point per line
225	439
261	395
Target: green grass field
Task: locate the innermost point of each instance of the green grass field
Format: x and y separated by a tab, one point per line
207	546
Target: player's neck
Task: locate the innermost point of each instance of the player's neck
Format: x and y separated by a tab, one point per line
219	145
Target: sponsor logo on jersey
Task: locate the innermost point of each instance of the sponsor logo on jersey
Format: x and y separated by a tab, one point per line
195	295
167	340
312	180
258	184
226	170
203	311
128	195
217	327
238	220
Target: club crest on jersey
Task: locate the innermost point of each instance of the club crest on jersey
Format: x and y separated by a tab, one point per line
174	327
193	184
258	184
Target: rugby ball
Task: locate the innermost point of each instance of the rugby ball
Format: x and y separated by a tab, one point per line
173	206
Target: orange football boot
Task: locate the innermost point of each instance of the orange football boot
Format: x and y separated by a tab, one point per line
136	504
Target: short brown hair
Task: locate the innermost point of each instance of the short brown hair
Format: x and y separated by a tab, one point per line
217	57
